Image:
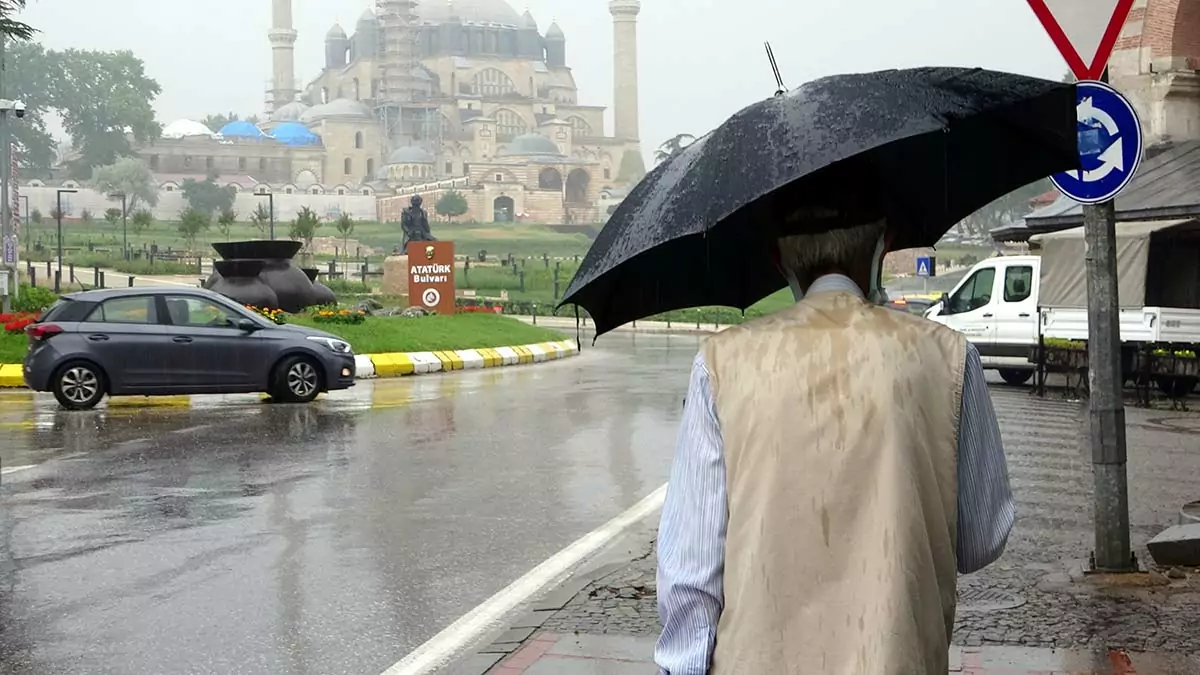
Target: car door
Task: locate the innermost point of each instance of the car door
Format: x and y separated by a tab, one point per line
125	337
970	309
1016	311
215	355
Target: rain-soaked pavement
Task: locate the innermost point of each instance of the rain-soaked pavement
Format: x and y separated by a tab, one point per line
224	535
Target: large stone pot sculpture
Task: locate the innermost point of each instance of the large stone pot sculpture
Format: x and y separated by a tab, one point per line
292	287
239	280
321	292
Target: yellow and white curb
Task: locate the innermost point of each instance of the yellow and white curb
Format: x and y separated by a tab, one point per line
400	364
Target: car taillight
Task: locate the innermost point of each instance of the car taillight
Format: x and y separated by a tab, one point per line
42	331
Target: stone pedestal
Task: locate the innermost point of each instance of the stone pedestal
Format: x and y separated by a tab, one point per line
395	275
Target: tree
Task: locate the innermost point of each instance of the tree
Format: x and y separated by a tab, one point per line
86	216
11	28
112	215
304	227
345	227
672	146
225	222
1006	209
205	195
131	177
102	99
451	204
217	122
632	168
261	218
192	222
141	220
57	214
36	216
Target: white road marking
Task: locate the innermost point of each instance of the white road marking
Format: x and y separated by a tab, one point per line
4	471
442	648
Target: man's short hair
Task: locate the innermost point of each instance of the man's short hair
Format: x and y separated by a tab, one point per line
848	250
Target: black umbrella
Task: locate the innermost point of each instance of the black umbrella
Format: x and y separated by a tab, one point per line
923	147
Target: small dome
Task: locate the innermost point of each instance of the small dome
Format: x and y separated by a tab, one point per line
528	21
241	129
530	145
336	32
554	32
185	129
337	108
294	133
410	155
368	17
290	112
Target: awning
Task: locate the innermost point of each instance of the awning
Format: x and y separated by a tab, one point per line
1064	272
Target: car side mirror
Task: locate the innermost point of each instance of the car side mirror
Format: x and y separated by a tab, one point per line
248	325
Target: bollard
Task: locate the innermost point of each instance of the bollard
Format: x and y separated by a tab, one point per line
96	276
697	319
535	313
58	281
49	271
131	281
101	284
32	275
546	259
522	278
72	277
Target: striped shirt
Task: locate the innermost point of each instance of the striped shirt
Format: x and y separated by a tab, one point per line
691	535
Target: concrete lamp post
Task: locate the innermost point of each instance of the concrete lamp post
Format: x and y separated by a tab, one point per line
58	216
124	223
270	205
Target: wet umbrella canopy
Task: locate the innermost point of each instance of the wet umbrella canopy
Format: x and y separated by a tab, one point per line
922	147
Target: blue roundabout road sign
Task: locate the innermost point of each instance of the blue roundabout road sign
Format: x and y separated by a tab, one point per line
1110	145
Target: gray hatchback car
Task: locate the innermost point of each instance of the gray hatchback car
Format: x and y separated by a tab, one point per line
151	341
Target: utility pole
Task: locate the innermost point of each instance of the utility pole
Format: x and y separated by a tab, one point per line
6	230
1106	403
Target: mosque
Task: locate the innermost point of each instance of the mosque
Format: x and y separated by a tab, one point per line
423	98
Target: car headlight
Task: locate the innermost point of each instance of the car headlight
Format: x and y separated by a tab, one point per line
334	344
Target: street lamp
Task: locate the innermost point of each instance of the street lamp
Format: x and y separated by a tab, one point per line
25	222
7	235
58	214
271	205
124	224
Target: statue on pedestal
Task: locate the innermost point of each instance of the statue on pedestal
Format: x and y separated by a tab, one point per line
415	224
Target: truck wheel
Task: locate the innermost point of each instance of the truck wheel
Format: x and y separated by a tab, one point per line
1016	377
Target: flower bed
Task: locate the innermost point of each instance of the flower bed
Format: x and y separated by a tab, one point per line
17	321
336	315
278	316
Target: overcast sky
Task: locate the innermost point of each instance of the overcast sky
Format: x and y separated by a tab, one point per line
700	60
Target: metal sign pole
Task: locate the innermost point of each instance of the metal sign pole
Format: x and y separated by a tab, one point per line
1106	404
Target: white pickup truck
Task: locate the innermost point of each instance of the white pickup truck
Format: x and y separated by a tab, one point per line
996	307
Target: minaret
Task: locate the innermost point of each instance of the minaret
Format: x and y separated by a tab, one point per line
283	41
625	76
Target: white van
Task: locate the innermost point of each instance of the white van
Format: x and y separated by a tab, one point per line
995	306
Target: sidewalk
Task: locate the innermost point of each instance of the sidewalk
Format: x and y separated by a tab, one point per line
568	323
1033	611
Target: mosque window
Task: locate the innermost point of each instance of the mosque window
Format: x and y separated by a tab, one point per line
262	164
208	163
242	163
358	140
315	190
449	168
366	192
341	191
154	162
491	82
509	124
579	127
347	165
607	173
499	178
187	160
370	168
288	191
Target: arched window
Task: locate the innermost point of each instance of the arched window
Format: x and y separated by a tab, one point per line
324	94
262	164
370	168
358	140
356	90
347	166
509	124
492	83
579	127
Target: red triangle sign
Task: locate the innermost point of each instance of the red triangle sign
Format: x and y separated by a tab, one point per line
1085	31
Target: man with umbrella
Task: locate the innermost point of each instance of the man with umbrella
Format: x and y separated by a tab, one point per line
837	462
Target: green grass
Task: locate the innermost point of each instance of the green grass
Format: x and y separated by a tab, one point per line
500	239
12	346
434	333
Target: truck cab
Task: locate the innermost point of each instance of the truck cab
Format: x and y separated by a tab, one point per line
995	306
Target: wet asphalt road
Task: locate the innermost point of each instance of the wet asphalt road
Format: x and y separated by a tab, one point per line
230	536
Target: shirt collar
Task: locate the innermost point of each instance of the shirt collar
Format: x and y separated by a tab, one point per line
835	283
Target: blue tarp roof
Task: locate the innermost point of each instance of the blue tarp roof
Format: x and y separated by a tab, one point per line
241	128
294	133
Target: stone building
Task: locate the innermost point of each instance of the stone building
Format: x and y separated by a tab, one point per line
1155	64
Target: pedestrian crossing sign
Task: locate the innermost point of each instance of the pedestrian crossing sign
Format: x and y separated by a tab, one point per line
926	266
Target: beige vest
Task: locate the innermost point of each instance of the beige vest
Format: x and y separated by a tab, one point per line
840	424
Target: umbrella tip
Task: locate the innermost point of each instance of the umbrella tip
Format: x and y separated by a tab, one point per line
781	90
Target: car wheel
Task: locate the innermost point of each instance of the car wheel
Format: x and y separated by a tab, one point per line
78	385
296	380
1016	377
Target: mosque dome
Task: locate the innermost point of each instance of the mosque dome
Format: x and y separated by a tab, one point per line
474	11
555	32
336	32
527	21
241	129
294	133
531	145
342	108
185	129
368	19
410	155
289	113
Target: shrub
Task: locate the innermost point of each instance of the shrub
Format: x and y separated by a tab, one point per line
33	299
